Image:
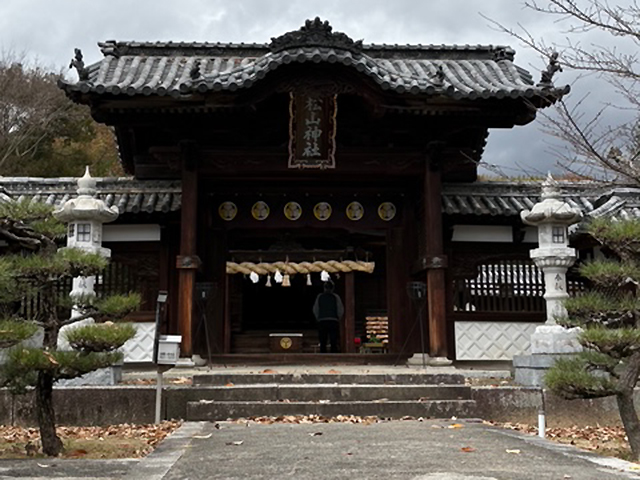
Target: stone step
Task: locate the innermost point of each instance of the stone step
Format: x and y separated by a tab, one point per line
329	378
331	392
207	410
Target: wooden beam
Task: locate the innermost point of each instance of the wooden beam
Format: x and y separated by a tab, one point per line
436	291
349	313
188	262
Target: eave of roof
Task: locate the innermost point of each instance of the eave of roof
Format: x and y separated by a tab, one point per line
183	68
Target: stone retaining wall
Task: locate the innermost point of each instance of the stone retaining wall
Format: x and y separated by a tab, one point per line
136	404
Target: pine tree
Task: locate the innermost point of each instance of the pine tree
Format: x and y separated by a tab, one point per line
35	266
609	315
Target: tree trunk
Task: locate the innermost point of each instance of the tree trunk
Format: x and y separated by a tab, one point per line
628	414
51	444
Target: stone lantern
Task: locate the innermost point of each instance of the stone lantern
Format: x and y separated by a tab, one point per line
84	216
553	256
552	216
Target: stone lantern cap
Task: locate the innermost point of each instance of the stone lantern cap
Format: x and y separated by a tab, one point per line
551	208
86	206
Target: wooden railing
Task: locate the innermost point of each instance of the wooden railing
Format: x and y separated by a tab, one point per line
501	286
504	290
117	278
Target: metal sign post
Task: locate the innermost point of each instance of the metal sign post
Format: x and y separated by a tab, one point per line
417	292
160	355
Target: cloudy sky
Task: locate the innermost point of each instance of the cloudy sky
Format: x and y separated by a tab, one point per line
48	30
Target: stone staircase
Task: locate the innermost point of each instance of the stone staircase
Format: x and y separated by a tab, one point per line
224	396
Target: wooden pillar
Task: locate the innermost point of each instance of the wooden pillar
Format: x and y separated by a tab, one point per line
435	262
349	313
401	257
227	315
187	261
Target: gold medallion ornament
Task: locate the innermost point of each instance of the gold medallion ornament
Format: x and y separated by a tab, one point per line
227	211
293	211
387	211
355	211
322	211
285	343
260	210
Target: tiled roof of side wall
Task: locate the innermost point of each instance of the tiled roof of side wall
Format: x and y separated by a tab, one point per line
471	199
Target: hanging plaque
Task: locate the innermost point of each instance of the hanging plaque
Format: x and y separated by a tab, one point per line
312	131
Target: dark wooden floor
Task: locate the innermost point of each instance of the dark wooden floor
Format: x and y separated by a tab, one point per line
310	359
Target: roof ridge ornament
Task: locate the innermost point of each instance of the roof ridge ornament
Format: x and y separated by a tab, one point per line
546	78
195	72
110	48
315	33
78	63
503	53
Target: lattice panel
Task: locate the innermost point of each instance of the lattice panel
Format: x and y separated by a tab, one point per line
493	340
140	347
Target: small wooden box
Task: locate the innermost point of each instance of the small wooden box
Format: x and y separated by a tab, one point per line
285	342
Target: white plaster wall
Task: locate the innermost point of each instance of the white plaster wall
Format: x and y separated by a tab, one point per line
131	233
493	340
140	348
482	233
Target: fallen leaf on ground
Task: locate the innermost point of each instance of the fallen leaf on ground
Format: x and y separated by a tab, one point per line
268	370
229	384
315	434
181	381
456	425
468	449
333	371
78	453
516	451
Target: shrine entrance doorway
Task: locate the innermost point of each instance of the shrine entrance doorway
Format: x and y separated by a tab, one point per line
264	301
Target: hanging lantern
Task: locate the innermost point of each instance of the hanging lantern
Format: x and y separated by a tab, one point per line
324	276
254	277
309	280
286	281
278	277
268	284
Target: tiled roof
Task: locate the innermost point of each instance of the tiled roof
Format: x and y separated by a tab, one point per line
507	199
475	199
176	69
130	196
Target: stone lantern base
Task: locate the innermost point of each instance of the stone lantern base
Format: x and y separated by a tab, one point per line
548	344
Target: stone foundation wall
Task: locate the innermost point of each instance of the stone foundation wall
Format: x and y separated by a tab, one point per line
136	404
521	404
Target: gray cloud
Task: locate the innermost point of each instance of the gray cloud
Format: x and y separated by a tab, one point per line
49	30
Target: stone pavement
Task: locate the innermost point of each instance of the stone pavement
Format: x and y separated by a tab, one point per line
410	450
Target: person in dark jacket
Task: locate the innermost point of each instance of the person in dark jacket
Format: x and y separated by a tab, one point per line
328	310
